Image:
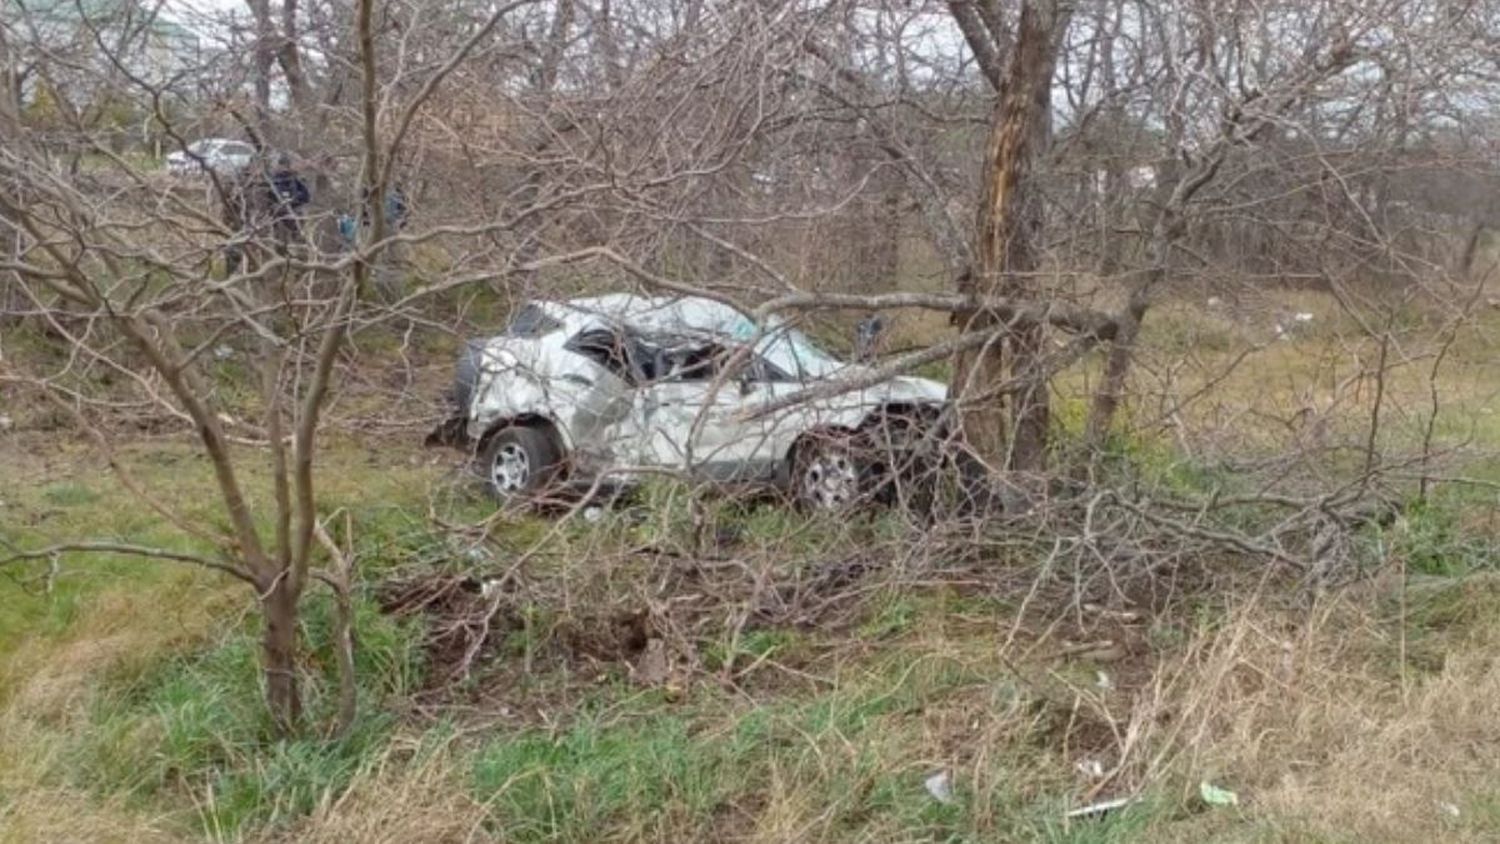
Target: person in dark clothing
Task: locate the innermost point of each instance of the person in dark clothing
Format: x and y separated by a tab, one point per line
867	338
288	197
267	195
396	209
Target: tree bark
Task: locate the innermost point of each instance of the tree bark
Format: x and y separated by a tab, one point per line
1008	225
264	51
279	652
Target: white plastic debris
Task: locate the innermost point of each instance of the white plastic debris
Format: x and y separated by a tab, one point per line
1102	681
1216	796
223	352
1091	768
1303	316
593	514
488	588
6	423
1449	809
1100	808
1214	301
940	786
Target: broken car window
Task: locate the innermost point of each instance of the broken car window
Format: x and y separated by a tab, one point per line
694	363
624	356
531	321
713	362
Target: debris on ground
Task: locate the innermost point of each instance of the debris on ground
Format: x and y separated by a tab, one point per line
940	786
1104	807
1216	796
1091	768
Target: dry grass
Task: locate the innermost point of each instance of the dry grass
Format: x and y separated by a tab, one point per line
61	815
399	800
1325	731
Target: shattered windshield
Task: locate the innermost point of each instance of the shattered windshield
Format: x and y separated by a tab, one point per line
784	347
795	352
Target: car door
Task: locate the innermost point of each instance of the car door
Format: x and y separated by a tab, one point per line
697	410
595	389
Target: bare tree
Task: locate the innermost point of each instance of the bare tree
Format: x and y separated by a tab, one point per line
1007	231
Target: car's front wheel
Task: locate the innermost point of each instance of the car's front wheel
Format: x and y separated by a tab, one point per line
519	462
827	474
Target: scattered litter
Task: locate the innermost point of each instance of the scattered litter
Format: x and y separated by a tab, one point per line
593	514
1215	796
1104	807
1303	316
940	786
1448	809
1102	681
1091	768
6	423
488	588
1214	301
223	352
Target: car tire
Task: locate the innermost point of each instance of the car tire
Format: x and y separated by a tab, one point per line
827	473
519	463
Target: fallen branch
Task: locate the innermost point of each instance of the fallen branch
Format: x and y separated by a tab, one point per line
129	550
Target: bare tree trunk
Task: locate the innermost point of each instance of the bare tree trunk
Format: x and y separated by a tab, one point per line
1008	225
289	56
1111	245
609	48
1470	252
265	57
885	259
279	652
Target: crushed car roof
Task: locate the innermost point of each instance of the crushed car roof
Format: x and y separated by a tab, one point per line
654	314
783	345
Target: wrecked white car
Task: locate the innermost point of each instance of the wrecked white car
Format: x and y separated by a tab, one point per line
597	392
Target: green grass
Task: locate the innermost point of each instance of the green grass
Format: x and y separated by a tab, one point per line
191	732
857	753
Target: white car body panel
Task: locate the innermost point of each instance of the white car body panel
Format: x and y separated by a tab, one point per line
711	427
221	155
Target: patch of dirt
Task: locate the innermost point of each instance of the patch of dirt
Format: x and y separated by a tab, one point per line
468	621
499	646
465	626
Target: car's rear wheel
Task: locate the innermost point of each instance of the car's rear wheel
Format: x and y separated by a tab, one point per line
519	463
827	474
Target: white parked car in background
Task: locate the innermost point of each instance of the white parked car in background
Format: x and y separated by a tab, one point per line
604	389
221	155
